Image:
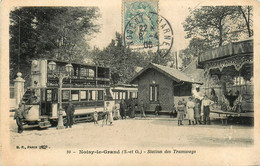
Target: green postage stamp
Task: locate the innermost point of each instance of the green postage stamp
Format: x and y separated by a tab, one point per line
140	22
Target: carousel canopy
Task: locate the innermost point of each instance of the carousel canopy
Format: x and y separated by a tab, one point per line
235	55
229	50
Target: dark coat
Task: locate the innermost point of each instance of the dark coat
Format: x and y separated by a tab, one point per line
70	109
19	113
158	108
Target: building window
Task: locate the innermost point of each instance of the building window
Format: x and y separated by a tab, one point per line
154	92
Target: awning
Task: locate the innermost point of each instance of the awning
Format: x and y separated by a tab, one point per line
229	50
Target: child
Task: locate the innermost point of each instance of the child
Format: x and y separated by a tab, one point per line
95	116
173	112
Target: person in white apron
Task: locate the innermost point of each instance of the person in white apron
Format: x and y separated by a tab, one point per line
109	113
190	111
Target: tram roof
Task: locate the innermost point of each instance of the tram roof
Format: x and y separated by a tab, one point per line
76	63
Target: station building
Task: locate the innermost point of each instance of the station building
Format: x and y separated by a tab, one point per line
157	83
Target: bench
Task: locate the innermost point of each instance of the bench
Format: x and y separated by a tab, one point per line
223	120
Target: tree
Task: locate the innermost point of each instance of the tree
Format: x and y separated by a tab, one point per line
196	47
123	61
210	27
246	12
212	24
49	32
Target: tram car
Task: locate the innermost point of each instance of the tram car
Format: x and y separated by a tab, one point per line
126	92
56	83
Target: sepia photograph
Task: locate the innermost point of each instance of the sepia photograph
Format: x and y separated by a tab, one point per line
132	82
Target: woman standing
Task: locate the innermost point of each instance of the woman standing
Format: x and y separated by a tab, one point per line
180	110
109	113
190	110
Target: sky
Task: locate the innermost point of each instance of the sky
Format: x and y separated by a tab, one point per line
175	12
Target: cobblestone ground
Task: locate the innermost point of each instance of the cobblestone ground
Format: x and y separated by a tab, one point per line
150	132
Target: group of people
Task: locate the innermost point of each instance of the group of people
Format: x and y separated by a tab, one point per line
129	108
195	110
108	115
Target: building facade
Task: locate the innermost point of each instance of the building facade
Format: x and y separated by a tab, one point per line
157	83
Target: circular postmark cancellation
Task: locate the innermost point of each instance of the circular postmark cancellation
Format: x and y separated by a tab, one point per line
149	32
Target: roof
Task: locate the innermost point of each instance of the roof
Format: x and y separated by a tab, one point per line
125	85
231	49
172	73
194	72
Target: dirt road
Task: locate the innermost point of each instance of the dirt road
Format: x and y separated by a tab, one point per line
135	133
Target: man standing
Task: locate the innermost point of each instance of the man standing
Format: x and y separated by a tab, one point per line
199	96
124	109
206	110
70	114
18	116
158	108
142	109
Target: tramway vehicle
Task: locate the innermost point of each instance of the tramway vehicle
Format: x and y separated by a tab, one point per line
127	92
56	83
124	92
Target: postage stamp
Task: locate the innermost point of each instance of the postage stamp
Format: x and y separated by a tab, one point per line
140	26
145	29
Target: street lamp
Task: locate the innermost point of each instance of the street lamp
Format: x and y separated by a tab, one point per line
61	76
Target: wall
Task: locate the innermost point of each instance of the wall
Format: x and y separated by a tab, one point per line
166	96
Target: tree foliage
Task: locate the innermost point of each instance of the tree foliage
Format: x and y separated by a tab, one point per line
216	25
123	61
213	26
49	32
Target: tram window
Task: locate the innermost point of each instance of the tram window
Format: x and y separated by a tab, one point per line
49	95
91	73
100	95
134	95
65	95
55	95
83	95
75	95
83	72
116	95
123	95
92	95
43	95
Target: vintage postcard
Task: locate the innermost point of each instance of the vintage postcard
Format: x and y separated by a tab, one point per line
129	82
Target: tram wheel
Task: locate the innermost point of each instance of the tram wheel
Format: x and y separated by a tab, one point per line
54	123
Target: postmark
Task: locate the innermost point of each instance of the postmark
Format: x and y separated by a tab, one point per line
149	31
